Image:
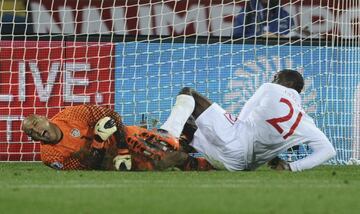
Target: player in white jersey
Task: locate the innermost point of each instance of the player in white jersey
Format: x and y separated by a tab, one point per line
271	122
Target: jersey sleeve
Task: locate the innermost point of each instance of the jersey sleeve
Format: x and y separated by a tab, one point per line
54	159
322	151
98	112
95	113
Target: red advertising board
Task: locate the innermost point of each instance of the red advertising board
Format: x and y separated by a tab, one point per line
188	17
41	77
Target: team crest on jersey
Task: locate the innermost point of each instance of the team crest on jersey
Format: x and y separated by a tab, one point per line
75	132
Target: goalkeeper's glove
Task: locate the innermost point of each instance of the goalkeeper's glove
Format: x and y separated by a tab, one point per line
104	128
122	162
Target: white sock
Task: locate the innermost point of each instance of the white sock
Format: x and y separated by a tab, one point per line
180	112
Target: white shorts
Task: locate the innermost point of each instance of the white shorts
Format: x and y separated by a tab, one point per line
219	138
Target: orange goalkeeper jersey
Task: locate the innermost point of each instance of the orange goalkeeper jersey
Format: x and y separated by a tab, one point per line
77	125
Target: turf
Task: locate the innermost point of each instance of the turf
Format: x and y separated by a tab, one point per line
34	188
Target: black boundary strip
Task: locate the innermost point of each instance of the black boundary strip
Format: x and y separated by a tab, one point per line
335	41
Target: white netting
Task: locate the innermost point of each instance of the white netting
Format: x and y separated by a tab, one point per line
135	55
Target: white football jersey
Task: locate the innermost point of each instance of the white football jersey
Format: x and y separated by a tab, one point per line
270	122
278	122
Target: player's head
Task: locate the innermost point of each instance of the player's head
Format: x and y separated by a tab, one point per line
39	128
289	78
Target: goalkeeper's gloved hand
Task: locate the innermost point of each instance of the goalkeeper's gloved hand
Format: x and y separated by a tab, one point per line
104	128
122	162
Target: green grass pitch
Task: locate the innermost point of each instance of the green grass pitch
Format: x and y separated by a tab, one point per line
34	188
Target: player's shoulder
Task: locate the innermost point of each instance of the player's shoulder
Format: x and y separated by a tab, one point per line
72	112
275	90
269	87
83	107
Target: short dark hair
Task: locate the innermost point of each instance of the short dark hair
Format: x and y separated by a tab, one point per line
296	79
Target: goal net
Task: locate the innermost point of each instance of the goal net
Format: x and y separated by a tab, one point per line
135	55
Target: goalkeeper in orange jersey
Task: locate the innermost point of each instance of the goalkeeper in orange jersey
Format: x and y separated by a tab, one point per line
89	137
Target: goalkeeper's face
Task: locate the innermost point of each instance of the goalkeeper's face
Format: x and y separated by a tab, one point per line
39	128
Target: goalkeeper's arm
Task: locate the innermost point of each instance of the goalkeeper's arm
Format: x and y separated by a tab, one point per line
104	129
108	127
96	113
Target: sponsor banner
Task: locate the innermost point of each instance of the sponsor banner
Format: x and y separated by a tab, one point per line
214	18
229	74
41	77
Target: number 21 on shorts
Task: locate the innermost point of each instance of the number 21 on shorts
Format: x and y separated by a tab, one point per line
278	120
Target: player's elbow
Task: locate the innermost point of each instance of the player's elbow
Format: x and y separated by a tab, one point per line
329	151
332	152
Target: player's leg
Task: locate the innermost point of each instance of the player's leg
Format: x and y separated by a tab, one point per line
189	128
187	135
188	103
196	164
201	102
